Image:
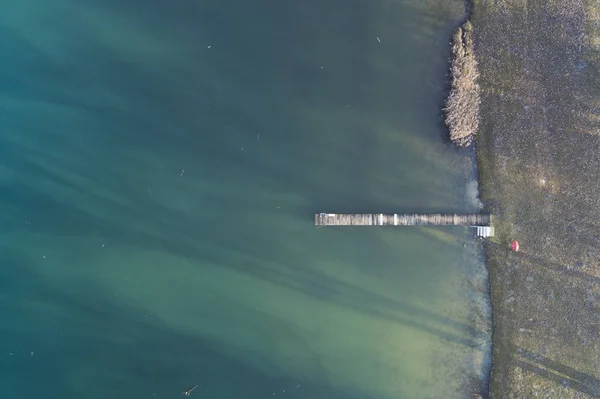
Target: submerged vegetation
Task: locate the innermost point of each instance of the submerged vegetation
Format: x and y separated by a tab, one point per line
462	105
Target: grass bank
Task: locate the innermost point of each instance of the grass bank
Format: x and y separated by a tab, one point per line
539	156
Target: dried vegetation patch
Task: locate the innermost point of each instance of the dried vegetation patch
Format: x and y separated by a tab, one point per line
462	105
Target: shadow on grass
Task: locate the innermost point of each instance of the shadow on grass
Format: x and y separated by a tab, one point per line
556	372
532	259
570	271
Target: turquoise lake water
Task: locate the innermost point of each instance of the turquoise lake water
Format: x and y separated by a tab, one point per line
160	167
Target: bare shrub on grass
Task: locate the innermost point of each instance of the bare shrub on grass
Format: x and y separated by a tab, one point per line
462	105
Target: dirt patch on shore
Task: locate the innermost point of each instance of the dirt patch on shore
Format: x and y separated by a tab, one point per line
539	158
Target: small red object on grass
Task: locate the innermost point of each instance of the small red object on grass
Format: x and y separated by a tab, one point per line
515	246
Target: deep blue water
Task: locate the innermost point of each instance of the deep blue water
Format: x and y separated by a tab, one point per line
160	166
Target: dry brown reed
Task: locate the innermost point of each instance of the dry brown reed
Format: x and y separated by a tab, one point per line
462	104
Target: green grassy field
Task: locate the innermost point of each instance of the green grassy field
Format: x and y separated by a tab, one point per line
538	154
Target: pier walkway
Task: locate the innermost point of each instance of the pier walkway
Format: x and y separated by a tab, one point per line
404	219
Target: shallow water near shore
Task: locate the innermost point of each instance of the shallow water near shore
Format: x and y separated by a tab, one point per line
160	169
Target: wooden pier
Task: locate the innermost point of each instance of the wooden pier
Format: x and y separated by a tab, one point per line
397	219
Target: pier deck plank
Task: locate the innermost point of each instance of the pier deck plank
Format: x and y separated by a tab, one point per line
403	219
